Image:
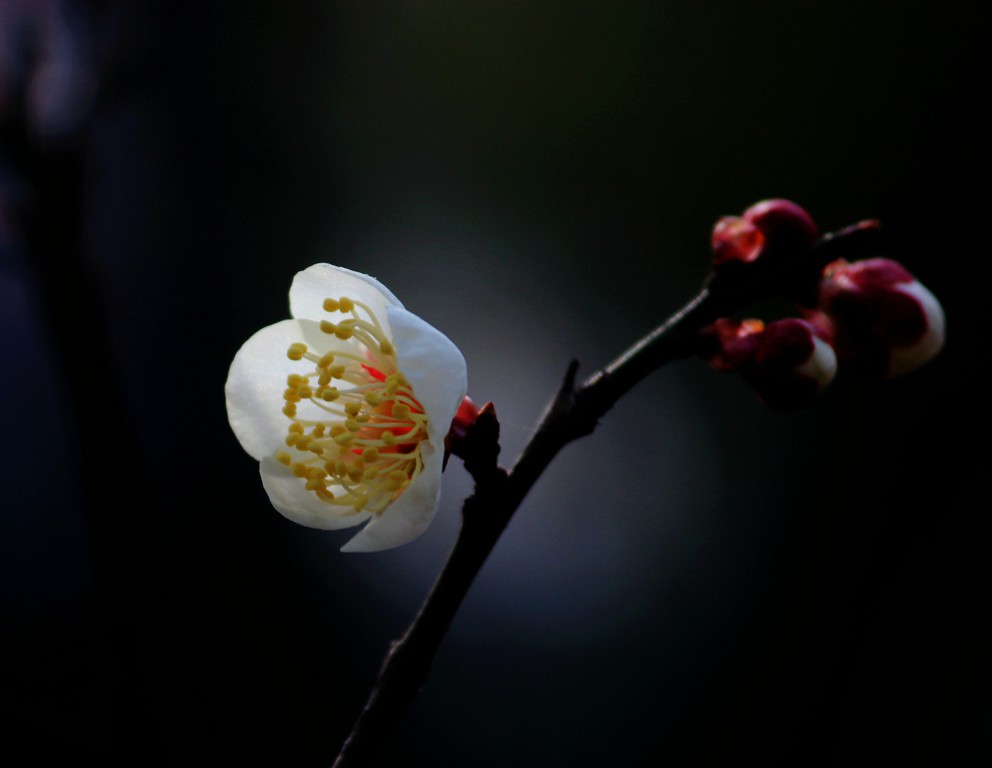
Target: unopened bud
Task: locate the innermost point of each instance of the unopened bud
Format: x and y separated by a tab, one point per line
735	240
728	344
770	229
787	362
785	225
474	438
465	417
883	322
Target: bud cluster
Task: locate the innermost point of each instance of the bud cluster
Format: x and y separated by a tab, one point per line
871	317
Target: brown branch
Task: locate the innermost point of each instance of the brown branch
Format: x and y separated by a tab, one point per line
573	412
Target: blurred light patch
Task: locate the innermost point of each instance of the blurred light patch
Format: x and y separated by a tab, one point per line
583	557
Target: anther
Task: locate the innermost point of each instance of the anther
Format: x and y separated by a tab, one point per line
396	480
344	445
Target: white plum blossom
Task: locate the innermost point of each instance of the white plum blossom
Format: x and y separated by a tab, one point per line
346	407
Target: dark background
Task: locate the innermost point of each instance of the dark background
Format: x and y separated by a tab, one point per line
701	580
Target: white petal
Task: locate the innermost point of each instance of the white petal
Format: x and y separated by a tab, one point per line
908	358
257	379
291	498
254	387
436	370
325	281
821	365
407	517
433	365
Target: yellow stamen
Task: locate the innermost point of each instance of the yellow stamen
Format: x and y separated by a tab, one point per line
356	446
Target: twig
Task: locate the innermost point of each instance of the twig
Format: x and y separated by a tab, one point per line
573	413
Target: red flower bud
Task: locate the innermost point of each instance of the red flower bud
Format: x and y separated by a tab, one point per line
457	438
465	417
727	344
735	239
768	229
784	224
787	362
882	321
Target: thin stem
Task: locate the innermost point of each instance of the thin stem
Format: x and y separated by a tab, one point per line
573	413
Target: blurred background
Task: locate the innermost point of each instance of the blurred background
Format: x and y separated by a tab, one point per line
700	581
